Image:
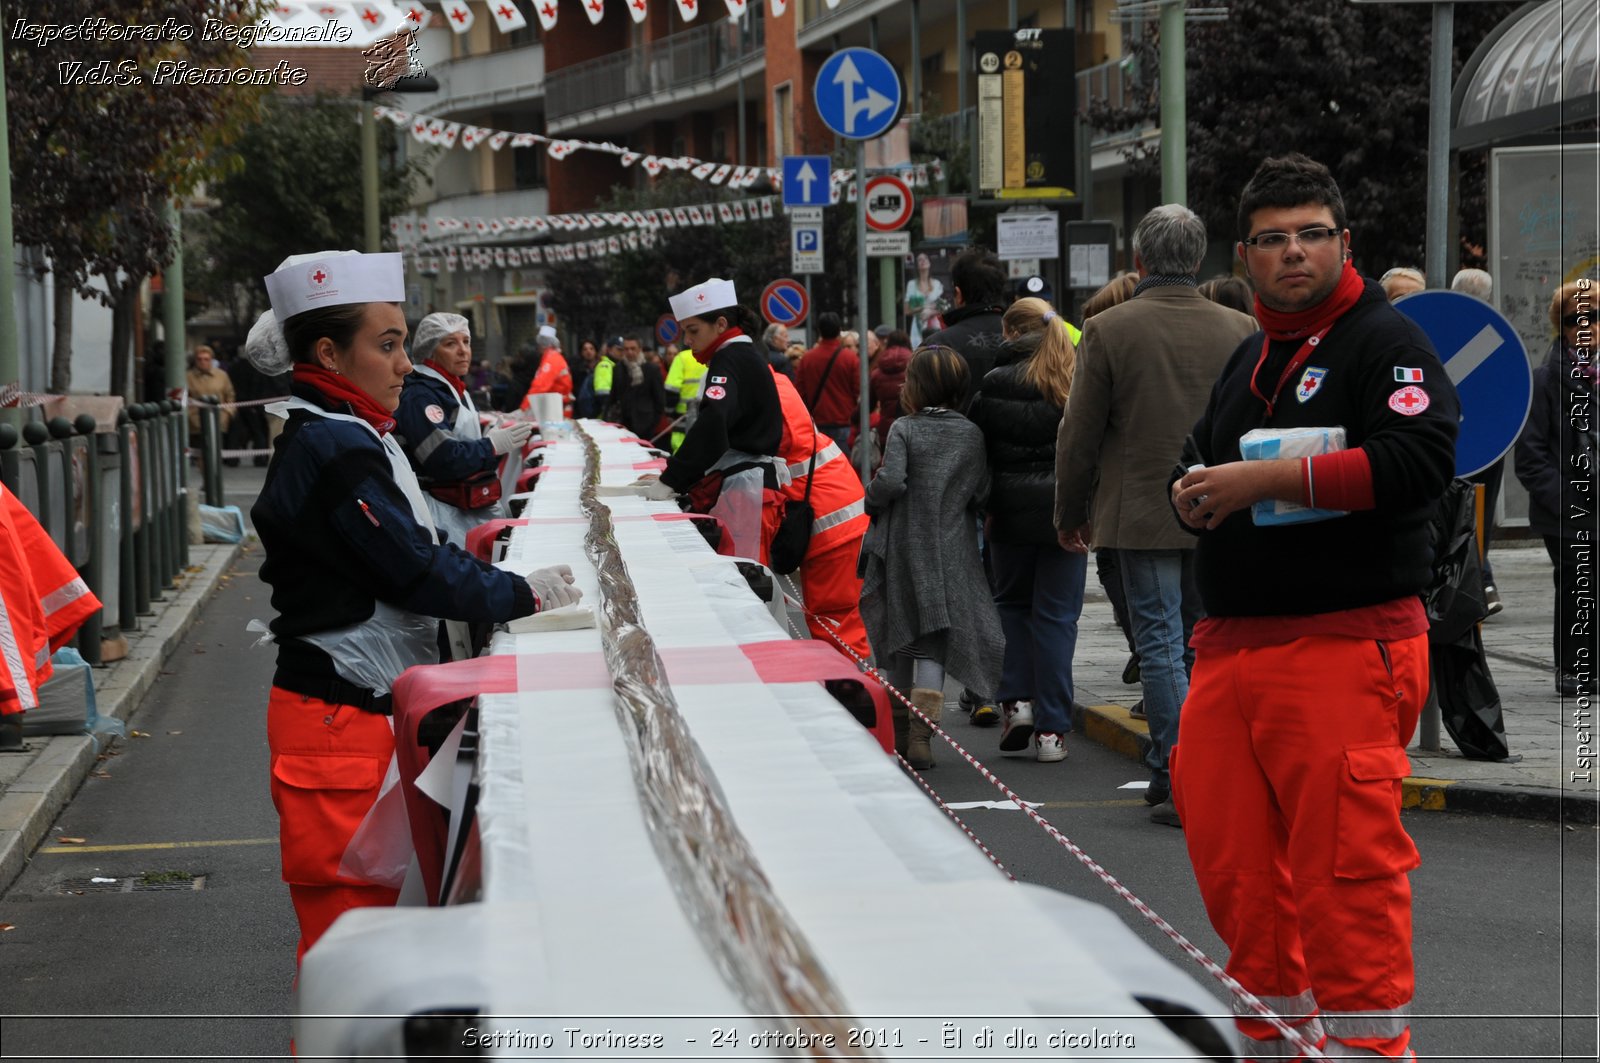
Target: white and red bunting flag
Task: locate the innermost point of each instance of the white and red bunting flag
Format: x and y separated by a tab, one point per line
725	212
498	141
653	165
419	130
480	226
640	220
472	136
499	258
722	173
540	225
696	218
652	218
369	21
416	14
831	4
736	7
638	9
778	7
547	12
595	9
434	265
740	175
560	149
632	240
448	135
507	17
394	226
681	215
704	170
524	140
688	9
613	244
599	221
766	206
514	225
458	15
423	228
435	131
630	157
496	226
582	249
611	217
532	255
738	210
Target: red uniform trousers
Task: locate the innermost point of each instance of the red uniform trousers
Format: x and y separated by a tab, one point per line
832	591
1287	776
328	763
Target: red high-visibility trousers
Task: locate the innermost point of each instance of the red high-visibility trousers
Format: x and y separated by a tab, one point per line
328	763
1287	777
832	591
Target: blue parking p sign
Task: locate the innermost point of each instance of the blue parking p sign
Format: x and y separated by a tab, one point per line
1484	357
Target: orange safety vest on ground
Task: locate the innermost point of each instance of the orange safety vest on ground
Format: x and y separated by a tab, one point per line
553	377
43	601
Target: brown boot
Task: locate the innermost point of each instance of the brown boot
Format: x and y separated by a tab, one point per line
919	750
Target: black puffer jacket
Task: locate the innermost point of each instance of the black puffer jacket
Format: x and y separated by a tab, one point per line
1555	455
974	332
1019	430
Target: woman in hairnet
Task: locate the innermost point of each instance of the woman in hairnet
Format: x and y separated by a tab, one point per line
359	579
437	427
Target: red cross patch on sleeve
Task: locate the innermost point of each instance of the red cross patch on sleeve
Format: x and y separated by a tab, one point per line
1409	401
715	392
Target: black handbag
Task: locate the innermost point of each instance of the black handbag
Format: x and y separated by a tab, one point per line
793	537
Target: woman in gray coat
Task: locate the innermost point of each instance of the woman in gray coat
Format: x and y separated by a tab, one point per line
924	597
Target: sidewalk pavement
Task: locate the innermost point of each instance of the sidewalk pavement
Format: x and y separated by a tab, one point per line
1541	728
37	784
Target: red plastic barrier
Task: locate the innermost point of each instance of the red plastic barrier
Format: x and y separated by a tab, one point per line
480	540
526	477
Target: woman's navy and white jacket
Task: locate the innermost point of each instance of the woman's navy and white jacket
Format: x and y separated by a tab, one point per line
438	429
358	579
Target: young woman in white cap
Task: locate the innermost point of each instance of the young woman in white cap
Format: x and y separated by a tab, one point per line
748	407
359	579
437	426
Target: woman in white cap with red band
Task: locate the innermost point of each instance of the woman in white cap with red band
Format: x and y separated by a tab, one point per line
358	576
749	409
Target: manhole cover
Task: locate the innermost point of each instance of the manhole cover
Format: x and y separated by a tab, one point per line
159	881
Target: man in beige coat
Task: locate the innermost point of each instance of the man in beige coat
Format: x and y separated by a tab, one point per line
1144	371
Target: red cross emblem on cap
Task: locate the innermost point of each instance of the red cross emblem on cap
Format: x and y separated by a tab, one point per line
700	297
319	278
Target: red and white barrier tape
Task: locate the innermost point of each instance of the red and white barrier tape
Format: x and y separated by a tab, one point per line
1306	1049
12	396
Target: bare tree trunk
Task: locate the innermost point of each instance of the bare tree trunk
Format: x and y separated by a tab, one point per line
61	351
122	382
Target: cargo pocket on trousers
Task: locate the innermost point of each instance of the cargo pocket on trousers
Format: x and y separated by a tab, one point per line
321	800
1371	843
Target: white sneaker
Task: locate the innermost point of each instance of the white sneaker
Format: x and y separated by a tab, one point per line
1048	747
1018	726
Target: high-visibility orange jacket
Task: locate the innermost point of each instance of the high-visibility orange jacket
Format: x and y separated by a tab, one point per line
837	497
43	601
552	377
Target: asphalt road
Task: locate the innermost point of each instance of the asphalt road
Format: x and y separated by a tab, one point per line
1505	909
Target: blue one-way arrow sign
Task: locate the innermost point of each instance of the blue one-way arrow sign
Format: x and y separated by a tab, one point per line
806	180
858	93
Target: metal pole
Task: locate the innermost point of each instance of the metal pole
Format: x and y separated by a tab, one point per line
94	571
916	56
10	366
179	426
1011	14
141	538
861	299
1435	255
744	21
1174	115
127	590
369	178
175	324
211	453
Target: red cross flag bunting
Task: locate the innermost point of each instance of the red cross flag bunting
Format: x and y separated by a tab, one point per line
736	7
779	7
595	9
688	9
546	10
458	15
638	9
507	18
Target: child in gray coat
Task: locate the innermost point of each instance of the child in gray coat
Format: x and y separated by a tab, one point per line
924	597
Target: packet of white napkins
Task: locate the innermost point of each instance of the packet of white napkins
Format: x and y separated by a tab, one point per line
1266	444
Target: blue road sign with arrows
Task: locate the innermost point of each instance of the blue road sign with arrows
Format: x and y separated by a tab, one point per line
806	180
1485	359
858	94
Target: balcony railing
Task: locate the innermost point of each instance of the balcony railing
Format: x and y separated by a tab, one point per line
478	81
675	62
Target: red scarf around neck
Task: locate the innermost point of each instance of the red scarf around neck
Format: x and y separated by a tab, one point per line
1297	324
450	378
340	392
703	357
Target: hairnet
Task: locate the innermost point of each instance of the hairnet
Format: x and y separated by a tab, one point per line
266	348
432	329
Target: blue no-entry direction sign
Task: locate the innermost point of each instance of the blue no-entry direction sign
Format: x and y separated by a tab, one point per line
667	329
806	180
784	302
858	94
1484	357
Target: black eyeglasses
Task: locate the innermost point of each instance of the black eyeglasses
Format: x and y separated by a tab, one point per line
1315	236
1574	320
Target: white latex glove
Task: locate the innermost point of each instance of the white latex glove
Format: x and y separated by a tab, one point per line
554	586
510	437
652	488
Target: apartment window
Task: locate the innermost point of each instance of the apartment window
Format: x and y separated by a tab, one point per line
528	167
678	147
719	145
783	118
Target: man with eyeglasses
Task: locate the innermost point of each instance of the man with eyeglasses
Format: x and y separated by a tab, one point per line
1312	664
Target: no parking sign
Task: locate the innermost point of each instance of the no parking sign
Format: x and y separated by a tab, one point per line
784	302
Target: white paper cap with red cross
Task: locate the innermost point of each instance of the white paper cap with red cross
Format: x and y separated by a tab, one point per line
335	278
714	294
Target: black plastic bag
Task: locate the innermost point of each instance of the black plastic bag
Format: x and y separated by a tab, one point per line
1469	703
